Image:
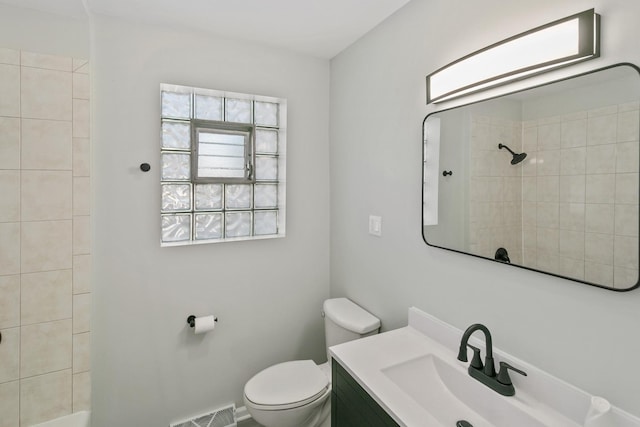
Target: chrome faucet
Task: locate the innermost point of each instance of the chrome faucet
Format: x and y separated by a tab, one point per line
486	373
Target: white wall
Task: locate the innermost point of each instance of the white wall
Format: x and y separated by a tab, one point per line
149	368
41	32
581	334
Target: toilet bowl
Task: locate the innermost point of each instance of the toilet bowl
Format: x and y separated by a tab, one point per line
298	393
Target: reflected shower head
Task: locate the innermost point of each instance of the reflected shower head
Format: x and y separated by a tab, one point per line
517	158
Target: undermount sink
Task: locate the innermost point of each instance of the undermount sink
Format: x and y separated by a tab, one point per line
449	394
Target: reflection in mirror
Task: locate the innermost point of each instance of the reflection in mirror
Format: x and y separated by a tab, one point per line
545	178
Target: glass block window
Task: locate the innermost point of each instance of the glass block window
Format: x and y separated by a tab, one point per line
222	166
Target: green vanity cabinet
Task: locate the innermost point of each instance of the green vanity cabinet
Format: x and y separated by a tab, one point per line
351	405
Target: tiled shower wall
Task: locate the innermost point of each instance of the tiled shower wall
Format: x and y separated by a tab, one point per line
580	195
45	259
495	188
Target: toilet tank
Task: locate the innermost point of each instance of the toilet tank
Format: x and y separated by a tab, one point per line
345	321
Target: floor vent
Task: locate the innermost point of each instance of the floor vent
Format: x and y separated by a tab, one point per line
223	417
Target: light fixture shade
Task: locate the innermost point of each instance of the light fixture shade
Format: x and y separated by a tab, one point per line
566	41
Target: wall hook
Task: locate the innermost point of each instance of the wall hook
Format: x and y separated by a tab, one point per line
445	173
145	167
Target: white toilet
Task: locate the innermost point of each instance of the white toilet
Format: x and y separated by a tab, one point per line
298	393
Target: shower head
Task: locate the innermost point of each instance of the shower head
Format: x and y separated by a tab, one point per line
517	158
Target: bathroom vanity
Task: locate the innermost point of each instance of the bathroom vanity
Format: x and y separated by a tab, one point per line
411	377
351	405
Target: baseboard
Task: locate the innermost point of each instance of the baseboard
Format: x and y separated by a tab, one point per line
242	414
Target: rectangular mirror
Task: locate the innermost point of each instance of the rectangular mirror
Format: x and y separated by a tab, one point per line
545	179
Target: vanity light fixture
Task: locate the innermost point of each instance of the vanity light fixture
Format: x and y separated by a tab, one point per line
566	41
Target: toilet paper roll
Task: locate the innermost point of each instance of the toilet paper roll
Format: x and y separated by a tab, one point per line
204	324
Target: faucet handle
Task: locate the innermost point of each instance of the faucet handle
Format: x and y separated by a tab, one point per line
503	375
476	362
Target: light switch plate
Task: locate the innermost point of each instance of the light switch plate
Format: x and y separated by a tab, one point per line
375	225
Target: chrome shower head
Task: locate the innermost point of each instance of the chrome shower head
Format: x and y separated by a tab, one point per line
517	158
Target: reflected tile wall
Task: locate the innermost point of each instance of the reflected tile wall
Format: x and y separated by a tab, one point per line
45	260
585	195
495	188
573	204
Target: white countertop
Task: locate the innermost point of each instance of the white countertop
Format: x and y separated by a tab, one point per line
560	404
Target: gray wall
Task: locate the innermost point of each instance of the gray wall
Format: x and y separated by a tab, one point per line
149	367
581	334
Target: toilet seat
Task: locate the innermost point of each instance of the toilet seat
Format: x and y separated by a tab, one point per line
287	385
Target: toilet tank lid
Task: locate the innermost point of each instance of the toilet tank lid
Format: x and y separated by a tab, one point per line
347	314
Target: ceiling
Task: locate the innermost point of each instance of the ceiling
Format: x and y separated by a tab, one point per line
321	28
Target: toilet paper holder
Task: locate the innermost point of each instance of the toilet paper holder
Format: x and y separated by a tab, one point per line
191	320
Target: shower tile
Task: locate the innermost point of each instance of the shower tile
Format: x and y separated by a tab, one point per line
45	245
10	355
549	136
573	161
46	144
529	189
548	162
602	129
81	118
45	347
548	261
603	111
80	65
81	313
9	143
81	196
81	157
45	397
624	278
512	189
9	90
10	248
10	404
547	240
9	301
529	213
81	274
548	215
572	189
629	106
627	157
626	221
601	159
81	87
45	296
572	216
598	273
529	165
530	139
548	188
573	268
574	133
81	352
9	56
10	191
625	251
50	62
600	188
81	392
46	195
599	218
628	126
46	94
598	248
572	244
81	235
627	188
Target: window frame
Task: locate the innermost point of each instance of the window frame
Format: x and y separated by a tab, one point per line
247	131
